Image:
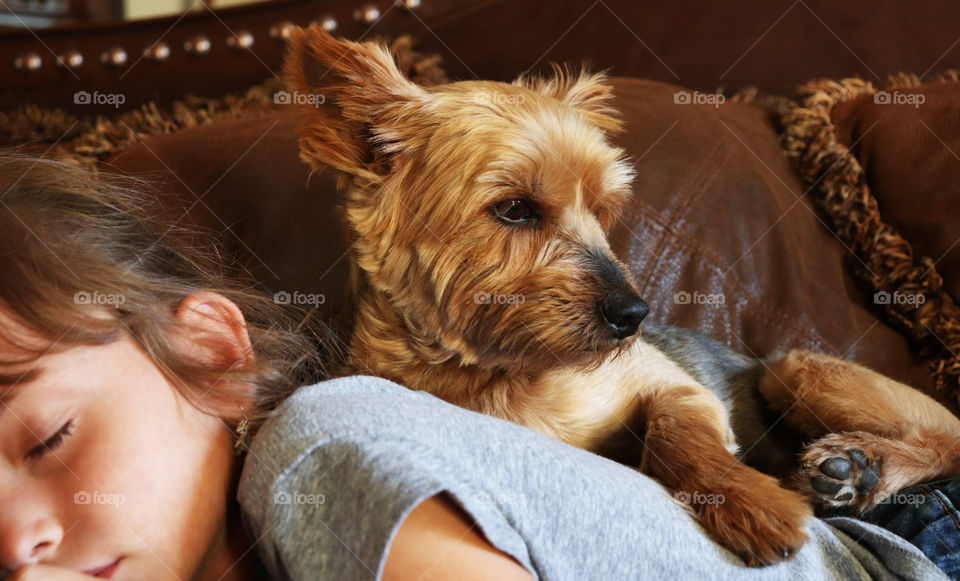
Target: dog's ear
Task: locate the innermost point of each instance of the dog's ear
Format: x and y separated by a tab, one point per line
588	92
362	91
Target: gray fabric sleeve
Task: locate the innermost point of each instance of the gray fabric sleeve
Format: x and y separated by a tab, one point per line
331	477
336	510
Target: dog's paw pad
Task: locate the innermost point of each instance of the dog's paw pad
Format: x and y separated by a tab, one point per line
826	485
869	478
838	468
858	457
839	476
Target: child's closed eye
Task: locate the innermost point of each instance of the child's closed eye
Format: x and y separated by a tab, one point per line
53	442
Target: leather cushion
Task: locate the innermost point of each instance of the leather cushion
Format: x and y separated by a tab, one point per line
910	154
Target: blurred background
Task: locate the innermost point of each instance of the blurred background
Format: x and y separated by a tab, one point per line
159	50
52	12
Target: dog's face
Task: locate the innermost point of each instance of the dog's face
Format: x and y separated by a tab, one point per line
481	208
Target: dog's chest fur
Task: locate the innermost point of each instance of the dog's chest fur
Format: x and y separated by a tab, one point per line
586	408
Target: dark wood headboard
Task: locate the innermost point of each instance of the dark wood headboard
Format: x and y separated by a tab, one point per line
774	45
85	67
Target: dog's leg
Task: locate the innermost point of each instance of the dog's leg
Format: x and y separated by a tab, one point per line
872	435
686	448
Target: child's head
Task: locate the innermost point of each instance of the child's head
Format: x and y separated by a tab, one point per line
127	361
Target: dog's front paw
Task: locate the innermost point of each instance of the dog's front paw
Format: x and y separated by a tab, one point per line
841	471
757	519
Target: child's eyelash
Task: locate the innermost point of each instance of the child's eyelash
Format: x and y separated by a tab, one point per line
51	443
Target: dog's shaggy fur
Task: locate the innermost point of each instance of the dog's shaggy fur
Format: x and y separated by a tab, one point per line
482	274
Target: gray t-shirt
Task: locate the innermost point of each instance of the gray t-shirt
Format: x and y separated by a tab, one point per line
331	477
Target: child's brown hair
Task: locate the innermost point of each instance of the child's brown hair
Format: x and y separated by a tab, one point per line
69	240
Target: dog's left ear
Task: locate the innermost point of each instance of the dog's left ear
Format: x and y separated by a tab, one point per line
588	92
354	96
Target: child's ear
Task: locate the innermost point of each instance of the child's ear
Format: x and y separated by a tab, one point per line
588	92
354	94
213	330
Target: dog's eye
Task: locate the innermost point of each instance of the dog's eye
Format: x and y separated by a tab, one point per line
515	211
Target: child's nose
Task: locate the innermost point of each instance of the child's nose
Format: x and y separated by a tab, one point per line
25	538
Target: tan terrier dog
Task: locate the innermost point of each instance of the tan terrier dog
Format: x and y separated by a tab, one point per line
482	274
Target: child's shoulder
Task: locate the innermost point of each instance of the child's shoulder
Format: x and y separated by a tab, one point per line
363	413
341	388
350	405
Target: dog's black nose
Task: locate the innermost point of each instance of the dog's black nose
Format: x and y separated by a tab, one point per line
623	313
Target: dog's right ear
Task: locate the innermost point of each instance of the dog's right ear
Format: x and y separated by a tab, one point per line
590	93
354	125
